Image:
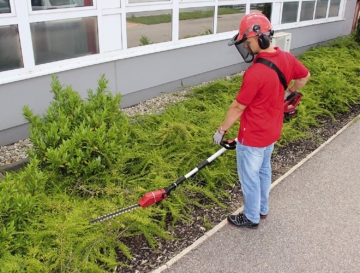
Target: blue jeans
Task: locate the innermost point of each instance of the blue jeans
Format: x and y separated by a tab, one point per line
254	170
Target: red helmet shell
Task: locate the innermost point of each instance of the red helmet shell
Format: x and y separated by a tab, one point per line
249	20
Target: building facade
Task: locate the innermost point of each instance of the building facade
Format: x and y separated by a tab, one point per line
144	47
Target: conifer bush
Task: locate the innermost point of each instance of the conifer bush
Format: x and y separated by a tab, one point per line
20	194
76	137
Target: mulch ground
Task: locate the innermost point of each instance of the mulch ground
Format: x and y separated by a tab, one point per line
145	259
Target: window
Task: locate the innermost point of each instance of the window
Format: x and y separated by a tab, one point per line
307	10
196	22
4	6
321	7
10	51
334	8
229	17
59	4
264	8
289	12
150	27
64	39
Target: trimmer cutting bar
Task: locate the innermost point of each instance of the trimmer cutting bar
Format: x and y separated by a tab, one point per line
113	214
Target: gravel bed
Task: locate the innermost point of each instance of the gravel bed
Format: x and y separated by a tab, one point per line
157	104
14	152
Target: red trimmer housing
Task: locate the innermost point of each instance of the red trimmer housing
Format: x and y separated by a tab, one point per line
153	197
290	103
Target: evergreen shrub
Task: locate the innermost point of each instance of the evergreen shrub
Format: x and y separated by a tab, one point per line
19	206
76	137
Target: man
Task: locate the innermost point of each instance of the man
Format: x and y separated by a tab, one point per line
260	107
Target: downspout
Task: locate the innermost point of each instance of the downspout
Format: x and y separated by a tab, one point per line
356	16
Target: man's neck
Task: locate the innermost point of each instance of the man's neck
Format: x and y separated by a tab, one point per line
270	49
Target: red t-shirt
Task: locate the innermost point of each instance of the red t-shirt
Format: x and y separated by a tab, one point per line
263	94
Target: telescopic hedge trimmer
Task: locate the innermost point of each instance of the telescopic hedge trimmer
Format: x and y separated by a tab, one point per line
153	197
149	198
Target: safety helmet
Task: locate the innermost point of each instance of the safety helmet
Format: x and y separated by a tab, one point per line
247	23
251	25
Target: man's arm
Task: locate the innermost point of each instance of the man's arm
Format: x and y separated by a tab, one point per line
299	83
234	113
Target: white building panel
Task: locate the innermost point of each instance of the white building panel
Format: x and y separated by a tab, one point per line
108	4
111	33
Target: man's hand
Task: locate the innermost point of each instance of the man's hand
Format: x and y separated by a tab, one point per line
219	135
298	83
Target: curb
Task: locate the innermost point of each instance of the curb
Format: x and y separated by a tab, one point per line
219	226
15	166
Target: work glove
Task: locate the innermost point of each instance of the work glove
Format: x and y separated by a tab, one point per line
219	135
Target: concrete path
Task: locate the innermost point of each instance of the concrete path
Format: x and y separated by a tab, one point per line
313	223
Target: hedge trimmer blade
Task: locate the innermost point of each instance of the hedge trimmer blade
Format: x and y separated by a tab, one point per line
156	196
115	213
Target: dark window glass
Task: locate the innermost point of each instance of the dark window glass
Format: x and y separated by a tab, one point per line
334	8
37	3
307	10
59	4
4	6
289	13
64	39
321	7
10	50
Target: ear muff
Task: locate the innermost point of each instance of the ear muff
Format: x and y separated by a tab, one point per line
263	40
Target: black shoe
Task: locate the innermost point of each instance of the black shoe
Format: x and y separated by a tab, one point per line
240	220
263	217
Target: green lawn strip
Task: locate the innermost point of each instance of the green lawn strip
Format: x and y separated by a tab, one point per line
44	215
166	18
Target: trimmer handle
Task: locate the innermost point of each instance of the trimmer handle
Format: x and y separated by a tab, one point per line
290	103
228	144
289	96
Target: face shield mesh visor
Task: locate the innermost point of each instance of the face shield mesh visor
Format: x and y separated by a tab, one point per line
243	47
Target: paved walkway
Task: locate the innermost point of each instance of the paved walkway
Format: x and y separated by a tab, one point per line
313	223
